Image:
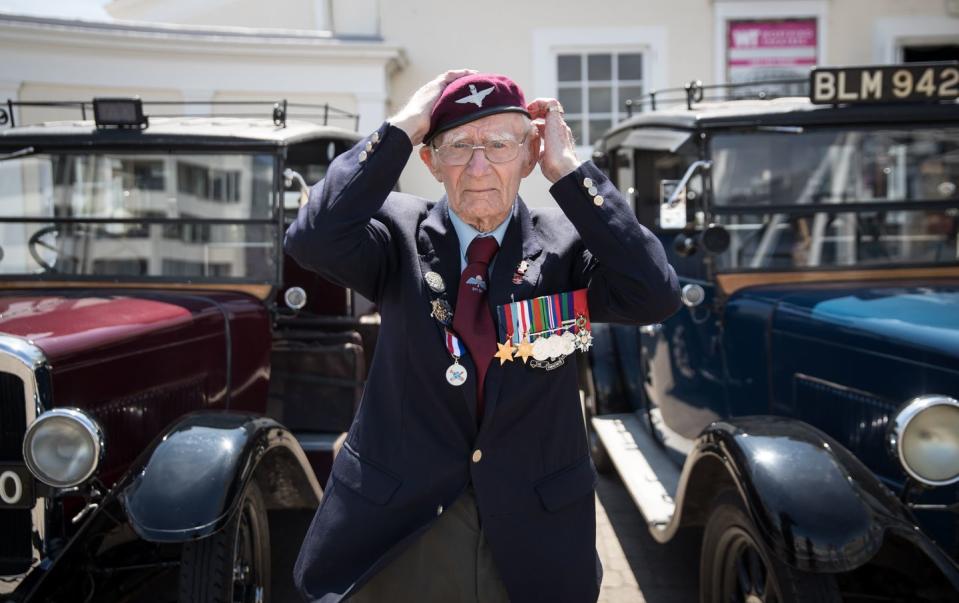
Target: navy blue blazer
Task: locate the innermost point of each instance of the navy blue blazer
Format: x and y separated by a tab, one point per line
414	444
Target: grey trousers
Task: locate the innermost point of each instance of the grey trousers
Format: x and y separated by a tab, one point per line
450	563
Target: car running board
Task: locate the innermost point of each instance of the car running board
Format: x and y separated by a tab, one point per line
647	472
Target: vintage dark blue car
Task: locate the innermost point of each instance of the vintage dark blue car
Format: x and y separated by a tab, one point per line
801	409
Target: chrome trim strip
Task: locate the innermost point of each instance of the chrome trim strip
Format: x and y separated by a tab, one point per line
901	421
22	358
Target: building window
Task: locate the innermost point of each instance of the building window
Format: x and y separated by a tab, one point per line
593	88
173	267
207	183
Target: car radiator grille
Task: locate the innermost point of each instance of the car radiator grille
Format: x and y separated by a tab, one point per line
15	524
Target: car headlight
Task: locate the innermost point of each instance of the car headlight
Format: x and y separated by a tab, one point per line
63	447
924	435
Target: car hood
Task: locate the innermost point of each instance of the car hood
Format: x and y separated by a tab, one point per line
891	318
64	324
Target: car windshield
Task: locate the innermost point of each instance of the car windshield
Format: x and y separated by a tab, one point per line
796	198
158	215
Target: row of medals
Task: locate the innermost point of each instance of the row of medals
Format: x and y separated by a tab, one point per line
548	350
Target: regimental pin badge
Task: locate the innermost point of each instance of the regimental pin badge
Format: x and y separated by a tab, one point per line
521	269
442	311
435	282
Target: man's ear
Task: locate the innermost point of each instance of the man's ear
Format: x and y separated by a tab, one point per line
426	155
532	152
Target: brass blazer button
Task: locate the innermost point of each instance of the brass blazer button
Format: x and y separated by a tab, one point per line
477	455
598	200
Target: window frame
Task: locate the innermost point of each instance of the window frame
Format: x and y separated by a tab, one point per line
584	84
550	42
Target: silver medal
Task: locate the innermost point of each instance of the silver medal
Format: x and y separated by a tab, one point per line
456	374
435	282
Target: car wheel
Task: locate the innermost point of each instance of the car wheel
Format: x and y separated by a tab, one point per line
232	565
735	567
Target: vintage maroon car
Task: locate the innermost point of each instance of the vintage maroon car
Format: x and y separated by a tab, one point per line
171	385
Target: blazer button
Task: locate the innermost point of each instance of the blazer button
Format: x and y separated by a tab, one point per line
477	455
362	156
369	146
598	200
375	137
587	182
592	190
439	510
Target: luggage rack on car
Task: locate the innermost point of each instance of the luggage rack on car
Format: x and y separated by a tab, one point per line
280	110
697	92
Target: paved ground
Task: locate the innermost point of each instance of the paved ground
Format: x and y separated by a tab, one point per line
636	568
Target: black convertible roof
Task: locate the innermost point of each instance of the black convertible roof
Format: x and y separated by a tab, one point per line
165	131
791	111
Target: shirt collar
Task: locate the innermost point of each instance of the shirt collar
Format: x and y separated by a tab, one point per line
466	233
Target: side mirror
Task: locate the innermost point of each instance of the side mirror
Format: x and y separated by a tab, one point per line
672	194
713	240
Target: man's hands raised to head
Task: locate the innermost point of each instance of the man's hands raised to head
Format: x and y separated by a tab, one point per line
559	155
414	118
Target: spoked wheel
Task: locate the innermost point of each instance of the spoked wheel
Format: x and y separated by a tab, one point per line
233	565
745	574
735	566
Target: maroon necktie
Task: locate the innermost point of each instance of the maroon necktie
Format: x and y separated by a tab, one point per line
472	320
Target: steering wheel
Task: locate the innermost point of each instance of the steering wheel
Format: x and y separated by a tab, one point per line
35	241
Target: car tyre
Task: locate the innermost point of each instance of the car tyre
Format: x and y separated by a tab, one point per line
735	567
232	565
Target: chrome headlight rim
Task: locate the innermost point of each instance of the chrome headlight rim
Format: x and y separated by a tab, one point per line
901	421
87	423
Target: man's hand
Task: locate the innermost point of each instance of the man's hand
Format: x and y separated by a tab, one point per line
414	118
559	155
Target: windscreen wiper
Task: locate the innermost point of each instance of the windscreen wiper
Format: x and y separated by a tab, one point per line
16	154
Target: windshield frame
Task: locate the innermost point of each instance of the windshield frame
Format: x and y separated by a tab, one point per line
69	145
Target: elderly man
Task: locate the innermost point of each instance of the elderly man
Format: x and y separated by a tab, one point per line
466	475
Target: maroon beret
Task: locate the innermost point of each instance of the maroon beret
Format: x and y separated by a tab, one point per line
472	97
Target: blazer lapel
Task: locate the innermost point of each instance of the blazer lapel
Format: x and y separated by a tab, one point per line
439	251
519	243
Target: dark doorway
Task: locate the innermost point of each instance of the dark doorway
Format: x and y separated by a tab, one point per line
926	54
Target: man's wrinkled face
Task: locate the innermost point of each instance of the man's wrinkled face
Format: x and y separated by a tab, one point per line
482	192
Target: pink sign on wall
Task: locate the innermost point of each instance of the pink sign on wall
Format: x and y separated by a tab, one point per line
766	49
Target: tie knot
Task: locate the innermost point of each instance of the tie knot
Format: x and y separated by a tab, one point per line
481	249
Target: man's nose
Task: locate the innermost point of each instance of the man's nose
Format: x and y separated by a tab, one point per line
478	162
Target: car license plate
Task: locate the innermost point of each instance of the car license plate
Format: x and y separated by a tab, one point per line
884	84
16	487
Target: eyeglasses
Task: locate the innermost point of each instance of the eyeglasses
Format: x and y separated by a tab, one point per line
496	151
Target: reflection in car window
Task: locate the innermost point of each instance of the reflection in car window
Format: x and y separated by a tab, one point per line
832	171
835	166
179	191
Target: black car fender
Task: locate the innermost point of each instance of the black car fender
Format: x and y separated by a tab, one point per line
816	506
189	483
186	485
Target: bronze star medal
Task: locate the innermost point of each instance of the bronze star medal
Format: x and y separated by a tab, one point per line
505	352
524	350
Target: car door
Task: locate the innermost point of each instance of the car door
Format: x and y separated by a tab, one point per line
681	359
